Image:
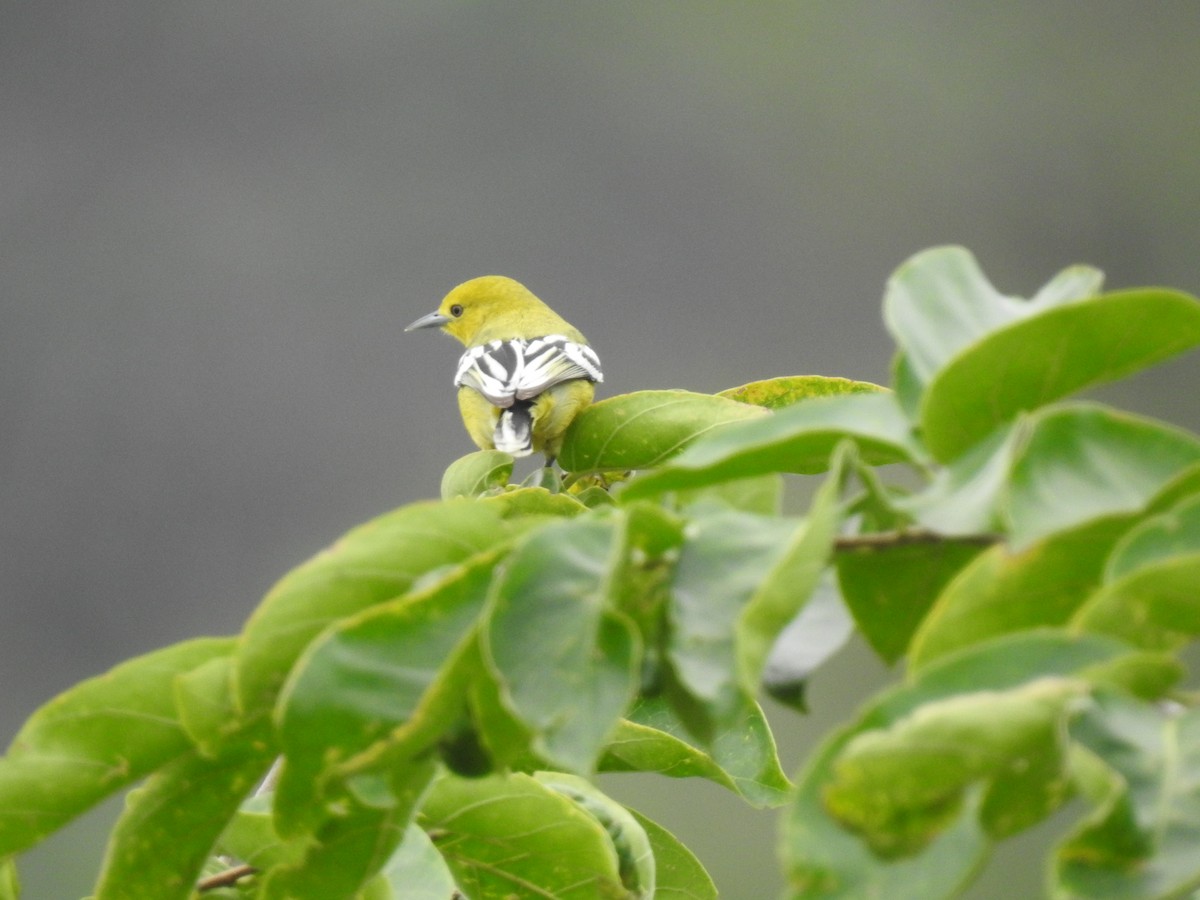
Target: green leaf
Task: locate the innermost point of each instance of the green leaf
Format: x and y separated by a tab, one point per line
1077	282
94	739
653	536
170	824
528	507
377	561
635	855
908	387
961	340
378	680
566	659
806	643
798	439
741	758
476	474
775	393
823	859
10	885
354	845
504	738
720	570
1149	597
1050	355
1005	590
679	875
515	837
739	581
416	871
205	705
1081	462
889	587
761	494
644	429
1141	840
786	587
902	785
938	303
1172	534
1104	461
966	496
250	836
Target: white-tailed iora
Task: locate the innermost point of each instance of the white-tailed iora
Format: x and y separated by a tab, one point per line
526	372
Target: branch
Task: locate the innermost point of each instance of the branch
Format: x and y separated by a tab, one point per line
227	878
885	539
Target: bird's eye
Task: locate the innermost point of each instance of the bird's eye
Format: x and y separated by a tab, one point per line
456	310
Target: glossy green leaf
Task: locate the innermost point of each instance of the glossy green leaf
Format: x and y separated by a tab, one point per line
377	561
10	884
775	393
250	836
1081	462
966	496
1103	462
635	855
566	659
503	836
94	739
679	875
377	681
786	587
653	536
961	340
761	494
798	439
205	705
1005	590
416	871
476	474
1050	355
1167	536
502	736
644	429
889	588
741	758
594	497
1151	595
528	507
354	844
938	303
720	571
901	786
821	628
823	859
1073	283
1141	840
908	387
170	824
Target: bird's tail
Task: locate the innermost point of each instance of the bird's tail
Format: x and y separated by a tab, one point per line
514	429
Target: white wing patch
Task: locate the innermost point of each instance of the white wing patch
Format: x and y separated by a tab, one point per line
519	369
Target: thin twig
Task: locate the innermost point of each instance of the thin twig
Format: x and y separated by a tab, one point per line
886	539
227	878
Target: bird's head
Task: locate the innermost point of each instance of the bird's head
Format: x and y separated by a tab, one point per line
491	308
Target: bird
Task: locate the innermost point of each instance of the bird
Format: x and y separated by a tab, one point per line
526	372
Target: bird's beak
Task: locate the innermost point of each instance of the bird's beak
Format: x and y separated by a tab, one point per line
433	320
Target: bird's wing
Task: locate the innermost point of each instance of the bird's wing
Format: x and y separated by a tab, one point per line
520	369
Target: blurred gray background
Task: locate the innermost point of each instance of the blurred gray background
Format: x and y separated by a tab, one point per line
216	218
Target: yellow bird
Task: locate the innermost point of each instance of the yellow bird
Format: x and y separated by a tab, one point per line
526	372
